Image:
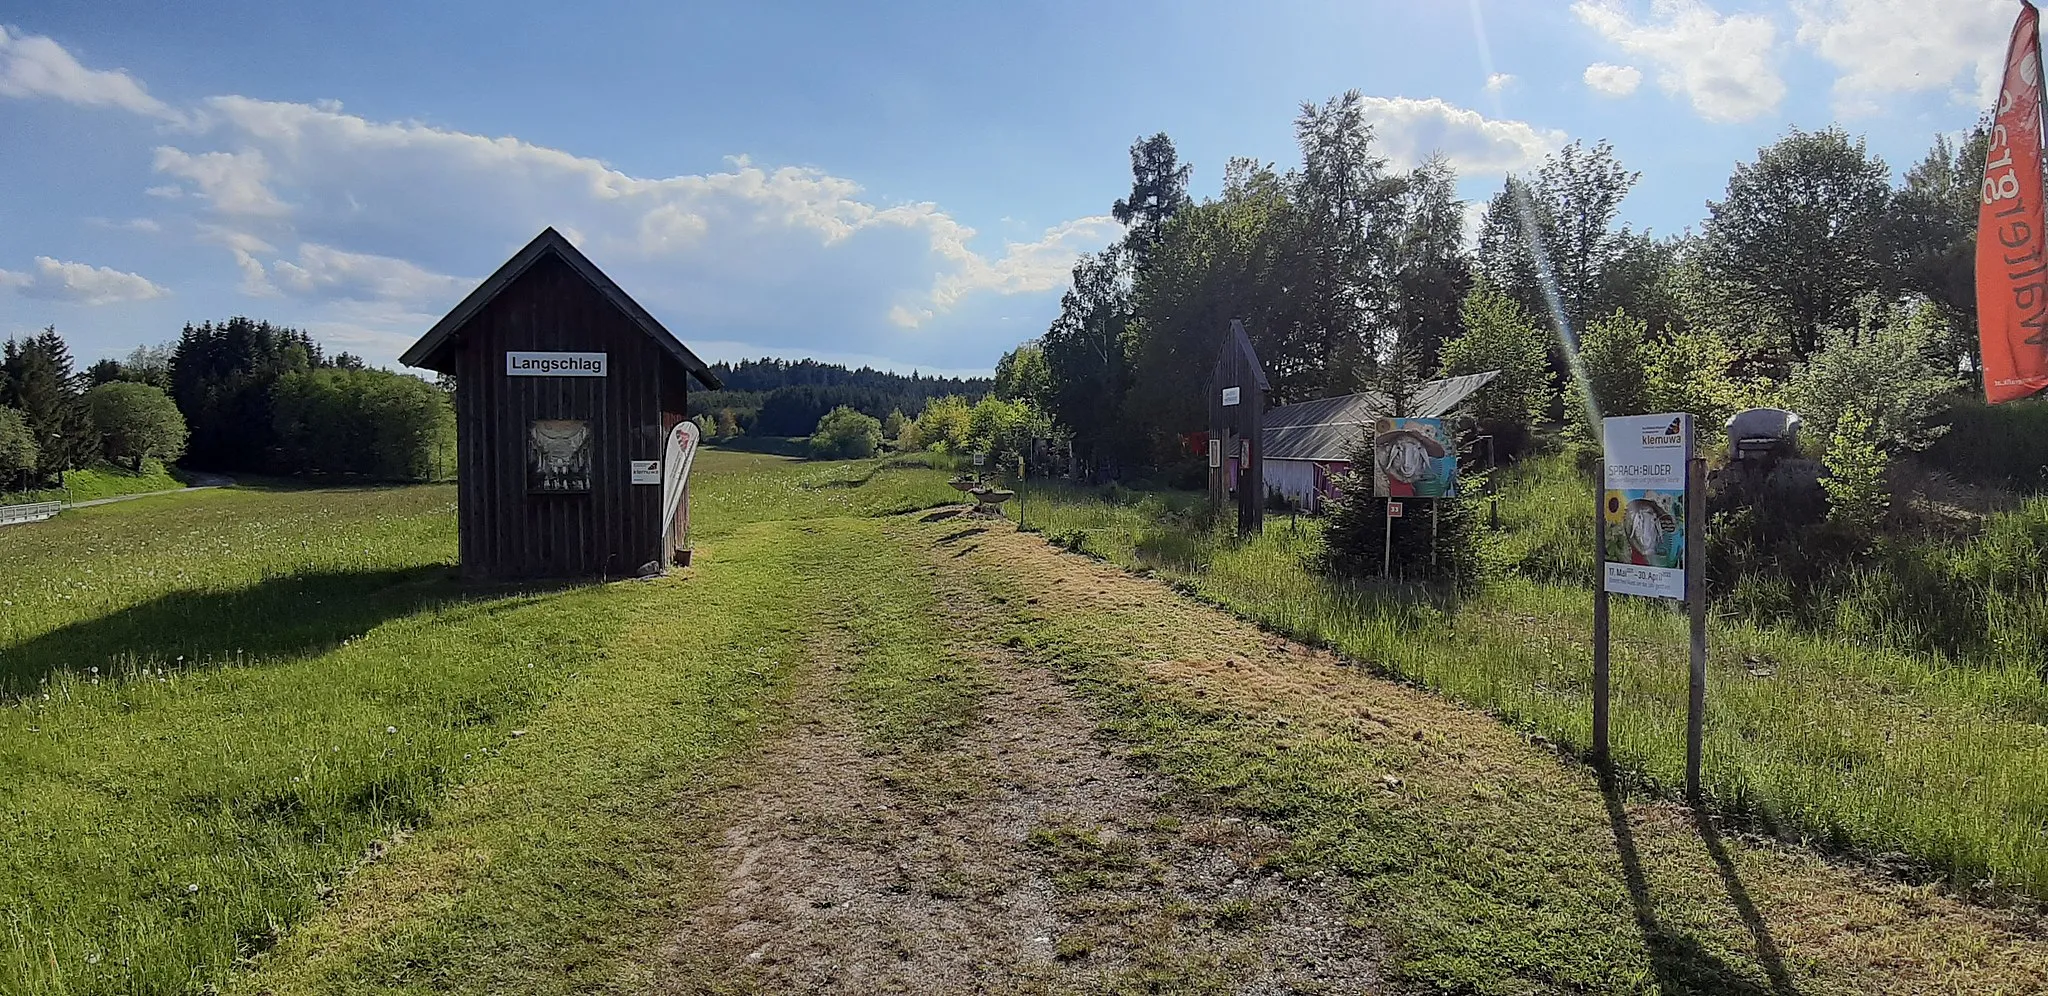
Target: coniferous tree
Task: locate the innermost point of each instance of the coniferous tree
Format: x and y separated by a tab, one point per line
1159	189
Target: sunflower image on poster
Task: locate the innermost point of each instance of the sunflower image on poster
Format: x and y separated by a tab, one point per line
1413	458
1646	528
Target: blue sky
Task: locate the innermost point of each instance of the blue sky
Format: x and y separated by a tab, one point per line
903	184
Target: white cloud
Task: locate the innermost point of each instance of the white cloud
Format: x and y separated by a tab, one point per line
146	226
80	283
1724	64
342	212
326	272
1901	46
1612	80
35	66
234	182
1023	268
1408	131
1499	82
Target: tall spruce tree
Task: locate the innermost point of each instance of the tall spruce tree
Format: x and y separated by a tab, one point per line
1159	189
42	385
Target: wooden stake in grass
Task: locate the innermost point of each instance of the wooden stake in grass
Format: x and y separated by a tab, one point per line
1696	603
1600	652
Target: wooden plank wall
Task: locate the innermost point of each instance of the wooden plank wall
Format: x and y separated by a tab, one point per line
1245	420
615	528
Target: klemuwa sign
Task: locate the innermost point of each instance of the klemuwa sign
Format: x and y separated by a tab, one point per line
1643	535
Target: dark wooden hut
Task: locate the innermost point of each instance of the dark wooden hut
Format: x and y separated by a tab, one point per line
563	384
1237	412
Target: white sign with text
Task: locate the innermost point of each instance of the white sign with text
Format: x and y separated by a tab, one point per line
554	364
1643	540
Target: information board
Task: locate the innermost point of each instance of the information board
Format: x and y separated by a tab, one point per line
1643	521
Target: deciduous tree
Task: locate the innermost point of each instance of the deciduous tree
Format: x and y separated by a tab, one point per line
1801	231
136	422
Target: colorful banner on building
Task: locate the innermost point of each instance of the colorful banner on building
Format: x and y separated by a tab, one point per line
1642	534
1413	458
2012	275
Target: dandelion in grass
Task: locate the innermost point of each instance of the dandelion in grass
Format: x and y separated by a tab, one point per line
391	729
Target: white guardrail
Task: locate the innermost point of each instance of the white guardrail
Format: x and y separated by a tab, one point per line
11	514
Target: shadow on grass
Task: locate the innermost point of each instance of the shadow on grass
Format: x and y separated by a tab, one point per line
282	616
1679	961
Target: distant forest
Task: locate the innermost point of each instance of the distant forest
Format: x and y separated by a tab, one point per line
770	397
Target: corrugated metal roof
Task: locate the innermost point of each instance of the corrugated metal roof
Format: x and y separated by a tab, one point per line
1330	428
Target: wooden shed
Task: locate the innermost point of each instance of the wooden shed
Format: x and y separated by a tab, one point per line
1237	412
566	391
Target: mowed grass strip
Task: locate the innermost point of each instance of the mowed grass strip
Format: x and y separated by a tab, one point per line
1882	752
170	815
217	702
560	864
1491	864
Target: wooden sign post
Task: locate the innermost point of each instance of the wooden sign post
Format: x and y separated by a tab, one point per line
1600	644
1650	536
1696	601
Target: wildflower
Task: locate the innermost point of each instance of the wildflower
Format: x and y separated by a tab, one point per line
391	729
94	669
193	887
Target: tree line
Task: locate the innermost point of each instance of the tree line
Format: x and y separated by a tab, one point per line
1350	274
771	397
240	395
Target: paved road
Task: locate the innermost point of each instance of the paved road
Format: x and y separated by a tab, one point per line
200	482
145	494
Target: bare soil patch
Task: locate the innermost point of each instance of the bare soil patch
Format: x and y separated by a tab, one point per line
1026	855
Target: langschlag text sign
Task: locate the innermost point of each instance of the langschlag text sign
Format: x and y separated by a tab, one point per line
554	364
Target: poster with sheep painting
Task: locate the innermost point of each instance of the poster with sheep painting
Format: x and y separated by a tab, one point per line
1413	458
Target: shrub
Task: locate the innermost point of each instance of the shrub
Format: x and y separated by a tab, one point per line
17	444
846	434
1354	539
1498	335
943	423
1614	356
1690	372
1858	493
373	423
2002	444
1632	372
1888	367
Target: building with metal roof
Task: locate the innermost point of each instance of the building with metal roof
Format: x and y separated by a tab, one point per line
1309	444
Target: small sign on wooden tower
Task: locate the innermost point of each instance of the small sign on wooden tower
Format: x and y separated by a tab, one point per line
1237	416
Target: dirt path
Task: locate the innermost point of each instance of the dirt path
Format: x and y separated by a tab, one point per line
1027	854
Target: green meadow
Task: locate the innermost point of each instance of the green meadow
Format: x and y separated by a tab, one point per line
1844	738
311	760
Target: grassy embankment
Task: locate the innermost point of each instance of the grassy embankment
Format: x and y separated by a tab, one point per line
1487	861
104	480
1855	742
285	680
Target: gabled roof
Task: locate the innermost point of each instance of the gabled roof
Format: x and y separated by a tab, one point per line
430	352
1242	343
1330	428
